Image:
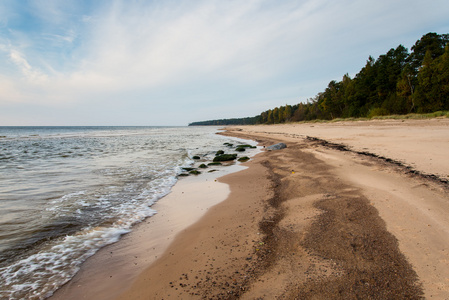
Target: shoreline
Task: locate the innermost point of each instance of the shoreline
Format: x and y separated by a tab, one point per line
148	240
216	255
385	232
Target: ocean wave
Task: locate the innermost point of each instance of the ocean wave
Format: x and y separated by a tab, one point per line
84	189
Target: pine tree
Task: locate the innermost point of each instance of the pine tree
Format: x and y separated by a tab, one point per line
287	113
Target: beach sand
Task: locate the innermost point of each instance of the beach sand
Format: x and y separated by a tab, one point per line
313	221
113	268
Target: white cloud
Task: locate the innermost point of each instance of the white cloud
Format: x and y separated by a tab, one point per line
202	52
21	62
68	37
30	74
147	47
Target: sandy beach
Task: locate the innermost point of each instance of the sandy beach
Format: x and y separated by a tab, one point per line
348	210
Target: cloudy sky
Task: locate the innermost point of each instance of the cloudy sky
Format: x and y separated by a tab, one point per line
171	62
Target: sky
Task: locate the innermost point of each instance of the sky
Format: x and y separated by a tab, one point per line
172	62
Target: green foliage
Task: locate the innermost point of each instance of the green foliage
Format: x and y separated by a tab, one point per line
270	119
432	93
397	82
378	112
287	113
276	119
235	121
430	42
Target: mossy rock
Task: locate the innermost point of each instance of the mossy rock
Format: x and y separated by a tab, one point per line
240	149
212	171
183	175
219	152
214	164
195	172
243	159
188	169
225	157
228	144
196	157
245	146
202	166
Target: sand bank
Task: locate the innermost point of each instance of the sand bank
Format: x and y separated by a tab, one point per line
422	144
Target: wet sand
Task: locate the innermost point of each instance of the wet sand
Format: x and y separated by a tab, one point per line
113	268
315	221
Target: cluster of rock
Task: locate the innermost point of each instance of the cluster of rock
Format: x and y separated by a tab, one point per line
220	156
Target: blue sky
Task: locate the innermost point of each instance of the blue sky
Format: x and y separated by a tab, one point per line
73	62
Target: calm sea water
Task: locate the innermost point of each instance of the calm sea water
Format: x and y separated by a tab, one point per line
65	192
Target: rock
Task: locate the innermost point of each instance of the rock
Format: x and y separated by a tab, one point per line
188	169
240	149
196	157
219	152
225	157
245	146
202	166
243	159
278	146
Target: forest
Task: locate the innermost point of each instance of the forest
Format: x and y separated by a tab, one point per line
398	82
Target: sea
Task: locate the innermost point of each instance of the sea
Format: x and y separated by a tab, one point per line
65	192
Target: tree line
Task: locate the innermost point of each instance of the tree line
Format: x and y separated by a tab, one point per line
234	121
397	82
